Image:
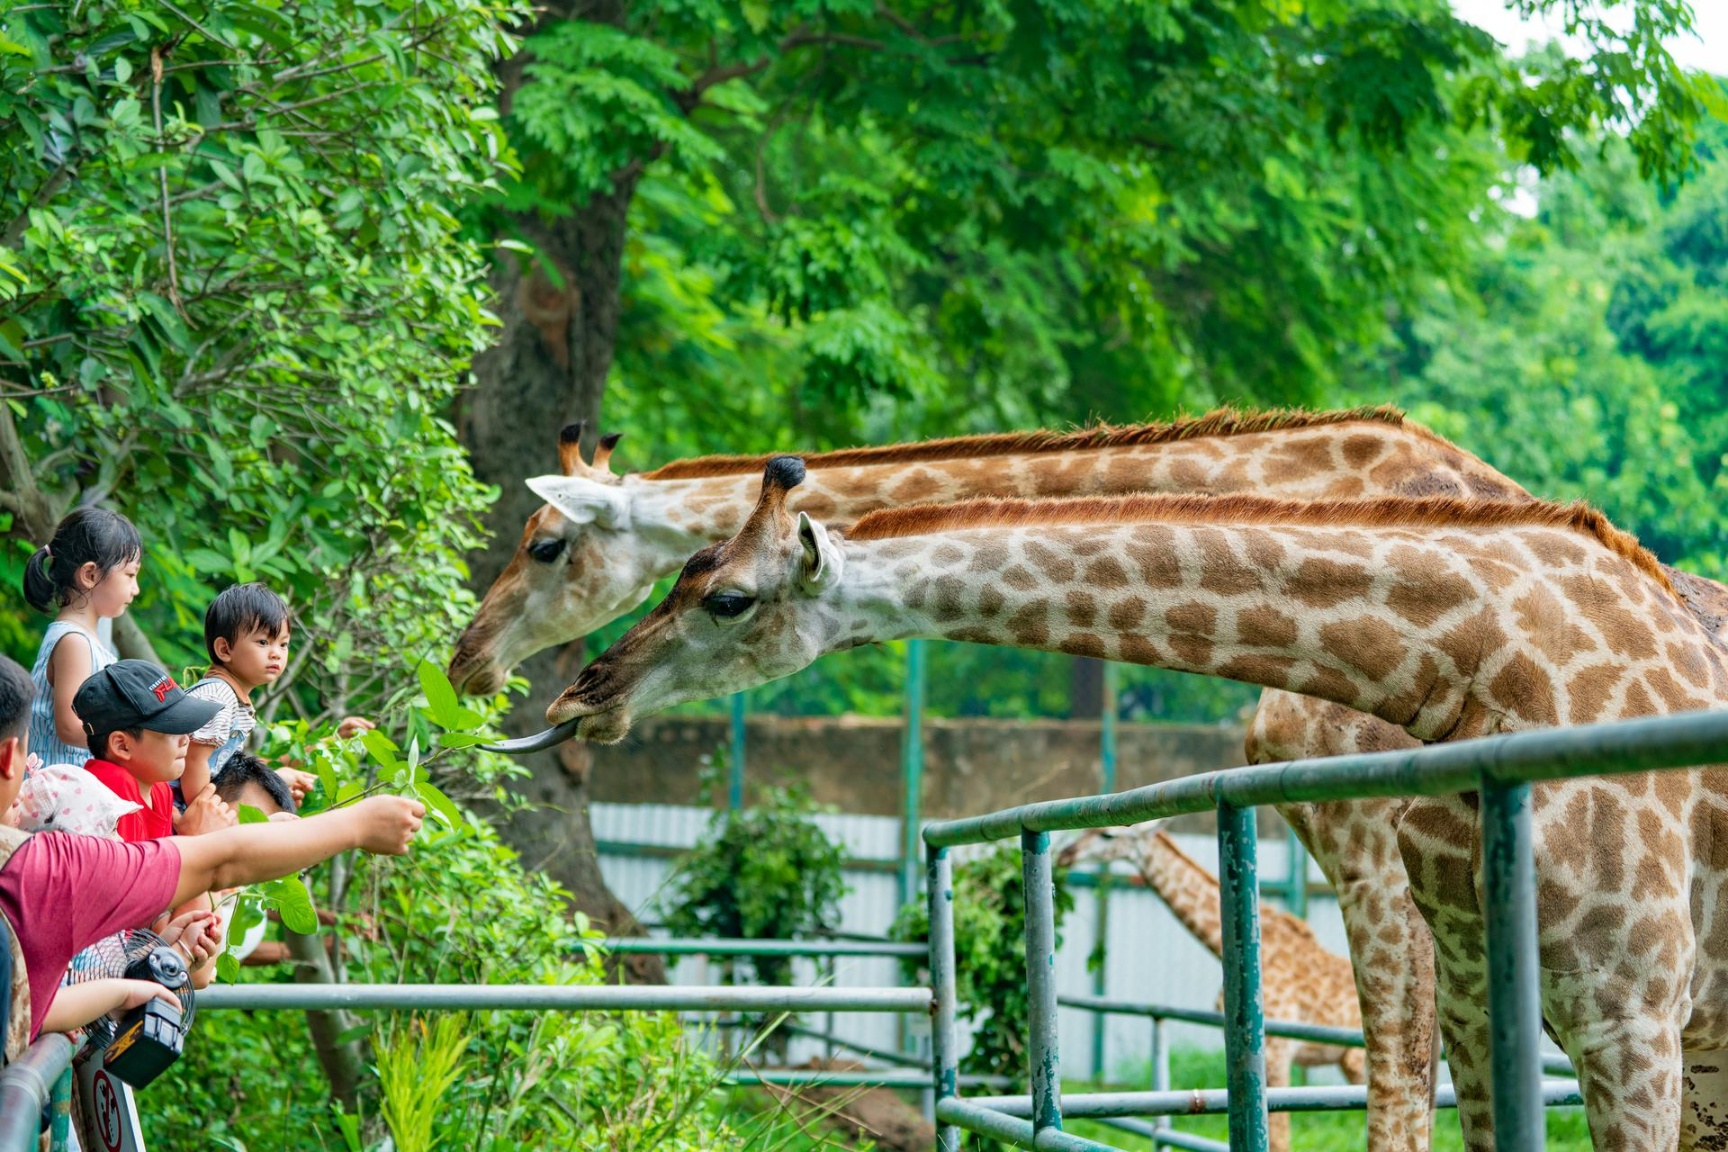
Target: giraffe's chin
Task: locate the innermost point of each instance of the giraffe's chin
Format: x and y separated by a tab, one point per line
606	727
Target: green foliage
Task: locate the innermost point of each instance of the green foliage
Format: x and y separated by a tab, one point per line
989	956
768	872
235	283
1585	356
921	220
417	1064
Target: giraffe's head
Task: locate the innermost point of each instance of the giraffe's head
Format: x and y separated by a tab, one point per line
743	612
577	567
1102	845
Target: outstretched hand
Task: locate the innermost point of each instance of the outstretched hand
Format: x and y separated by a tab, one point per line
353	726
388	823
205	812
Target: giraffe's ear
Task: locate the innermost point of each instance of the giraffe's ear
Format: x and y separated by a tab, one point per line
820	559
584	501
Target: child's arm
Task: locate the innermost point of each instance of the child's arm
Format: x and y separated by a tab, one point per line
68	668
196	778
78	1004
254	853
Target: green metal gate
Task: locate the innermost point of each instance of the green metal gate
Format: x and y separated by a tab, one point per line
1501	769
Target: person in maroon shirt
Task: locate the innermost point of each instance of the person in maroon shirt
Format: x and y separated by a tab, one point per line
61	892
140	723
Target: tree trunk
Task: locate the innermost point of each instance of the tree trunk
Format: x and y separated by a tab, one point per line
547	370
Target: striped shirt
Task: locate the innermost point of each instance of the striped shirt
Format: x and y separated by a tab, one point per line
44	738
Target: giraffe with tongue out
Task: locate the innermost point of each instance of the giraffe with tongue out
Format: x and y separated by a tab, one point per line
1446	618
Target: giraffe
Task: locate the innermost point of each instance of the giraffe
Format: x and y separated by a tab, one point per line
595	550
1449	618
1299	979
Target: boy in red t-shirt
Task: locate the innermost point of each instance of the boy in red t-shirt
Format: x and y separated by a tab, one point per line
139	723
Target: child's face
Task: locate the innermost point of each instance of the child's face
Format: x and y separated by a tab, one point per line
257	657
154	757
117	588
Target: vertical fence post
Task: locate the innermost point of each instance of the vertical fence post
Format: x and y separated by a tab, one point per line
1296	897
1160	1068
944	1054
1042	1055
735	778
1106	784
912	770
1514	1012
1244	1026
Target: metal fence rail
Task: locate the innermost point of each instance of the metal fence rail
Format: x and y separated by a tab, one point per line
1500	769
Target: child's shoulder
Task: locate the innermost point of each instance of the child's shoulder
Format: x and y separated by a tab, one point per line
215	689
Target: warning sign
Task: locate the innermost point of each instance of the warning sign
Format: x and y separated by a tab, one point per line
103	1109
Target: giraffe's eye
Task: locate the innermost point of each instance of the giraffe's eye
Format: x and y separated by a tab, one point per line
546	551
727	605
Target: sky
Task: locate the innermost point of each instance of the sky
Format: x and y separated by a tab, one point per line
1709	51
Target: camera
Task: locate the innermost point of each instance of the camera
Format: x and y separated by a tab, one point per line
151	1036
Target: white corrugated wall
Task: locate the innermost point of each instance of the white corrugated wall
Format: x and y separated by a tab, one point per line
1150	956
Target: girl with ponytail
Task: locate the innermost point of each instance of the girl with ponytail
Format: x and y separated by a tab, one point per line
87	573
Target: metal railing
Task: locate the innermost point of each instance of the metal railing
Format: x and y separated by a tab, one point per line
1501	769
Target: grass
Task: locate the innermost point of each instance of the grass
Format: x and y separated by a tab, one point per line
1310	1131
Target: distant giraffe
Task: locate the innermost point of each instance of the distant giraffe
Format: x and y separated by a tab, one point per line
1448	618
1299	979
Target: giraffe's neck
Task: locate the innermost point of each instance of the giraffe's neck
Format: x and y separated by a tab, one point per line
1190	891
1335	461
1413	624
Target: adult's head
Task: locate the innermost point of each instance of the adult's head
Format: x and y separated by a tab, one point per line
246	779
16	692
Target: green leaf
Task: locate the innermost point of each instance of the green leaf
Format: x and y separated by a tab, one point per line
227	968
441	699
247	814
293	904
382	748
435	799
459	739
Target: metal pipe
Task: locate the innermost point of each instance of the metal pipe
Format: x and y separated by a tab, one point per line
1043	1057
1160	1069
729	946
1107	784
735	766
944	1046
1244	1024
853	1078
1212	1101
1589	750
1514	1007
912	770
557	997
25	1087
1296	886
1293	1029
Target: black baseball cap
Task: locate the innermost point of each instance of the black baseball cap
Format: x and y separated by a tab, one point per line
137	694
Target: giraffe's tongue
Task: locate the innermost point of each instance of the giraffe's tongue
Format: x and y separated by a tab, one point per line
539	742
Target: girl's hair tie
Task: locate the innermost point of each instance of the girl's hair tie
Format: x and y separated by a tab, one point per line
47	550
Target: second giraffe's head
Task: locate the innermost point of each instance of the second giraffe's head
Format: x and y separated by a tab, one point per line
743	612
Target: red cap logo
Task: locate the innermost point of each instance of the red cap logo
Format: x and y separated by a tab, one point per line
162	687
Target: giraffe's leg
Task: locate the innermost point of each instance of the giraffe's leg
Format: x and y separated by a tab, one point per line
1354	1065
1356	845
1279	1054
1437	840
1625	1044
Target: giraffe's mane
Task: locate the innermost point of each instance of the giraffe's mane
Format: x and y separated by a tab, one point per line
1378	512
1222	422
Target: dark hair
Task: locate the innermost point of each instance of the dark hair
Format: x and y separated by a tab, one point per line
86	535
242	769
239	609
17	691
99	740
